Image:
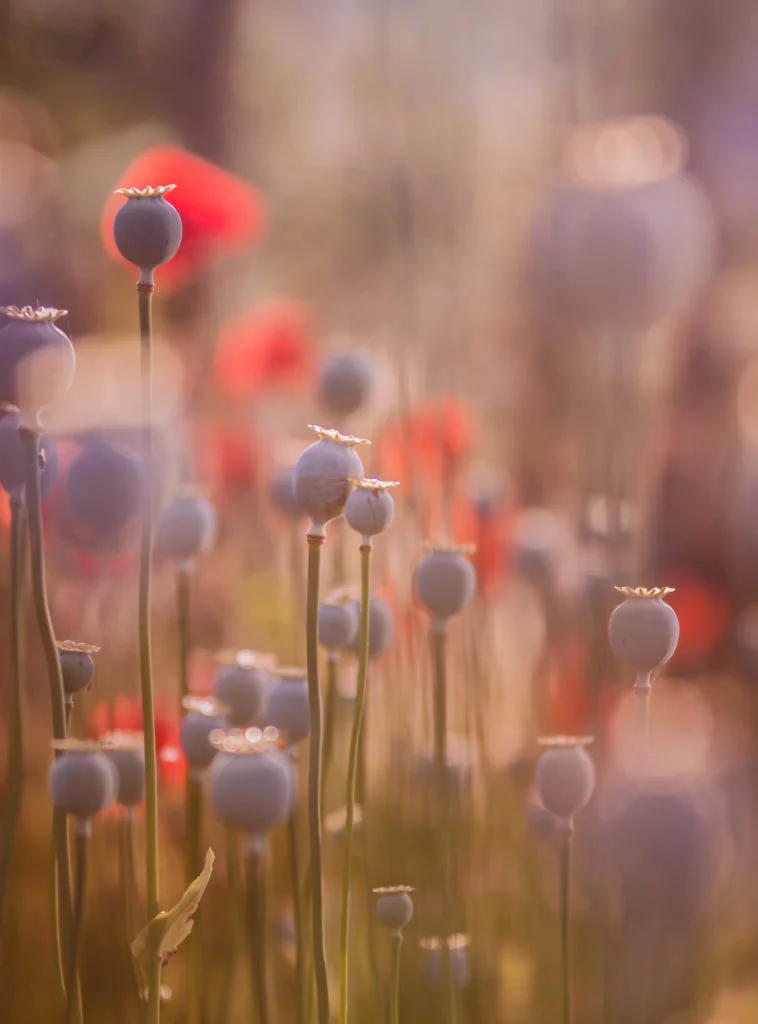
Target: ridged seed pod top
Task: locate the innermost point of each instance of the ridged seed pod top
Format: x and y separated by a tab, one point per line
643	630
346	382
445	580
323	474
394	906
147	229
37	361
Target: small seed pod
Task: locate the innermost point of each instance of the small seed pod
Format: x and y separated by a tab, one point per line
565	776
323	473
77	665
643	629
346	382
129	763
187	528
37	361
460	968
381	627
287	707
104	488
394	908
250	790
242	688
195	738
369	508
445	581
13	463
337	626
147	229
82	783
282	494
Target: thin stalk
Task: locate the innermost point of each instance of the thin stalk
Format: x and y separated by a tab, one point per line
443	787
82	846
352	770
297	906
315	543
642	691
15	778
256	907
55	680
236	899
69	708
397	945
183	577
565	901
330	709
194	818
128	886
55	924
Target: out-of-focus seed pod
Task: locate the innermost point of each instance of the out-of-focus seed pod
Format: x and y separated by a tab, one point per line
77	665
337	625
12	463
242	688
250	790
130	772
394	906
82	783
104	489
381	628
204	717
643	629
460	967
323	474
147	229
565	776
543	824
187	528
370	509
282	493
445	581
287	707
346	382
37	361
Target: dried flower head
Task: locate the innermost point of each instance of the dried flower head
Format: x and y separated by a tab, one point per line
457	941
34	314
369	484
649	592
148	192
246	741
121	739
389	890
246	659
326	434
208	707
565	741
79	648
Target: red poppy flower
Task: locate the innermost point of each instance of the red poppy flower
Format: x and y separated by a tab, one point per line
221	213
704	612
271	345
229	456
490	528
434	439
125	714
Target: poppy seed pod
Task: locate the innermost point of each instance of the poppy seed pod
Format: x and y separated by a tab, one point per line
381	627
345	383
282	494
186	528
369	508
394	907
542	823
77	665
147	229
242	689
565	777
130	774
445	581
643	629
194	738
337	626
252	791
104	487
287	708
83	783
37	361
13	463
323	473
460	968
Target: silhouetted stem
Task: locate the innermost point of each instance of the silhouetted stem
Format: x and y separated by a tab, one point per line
565	900
297	908
397	945
443	788
194	818
82	844
236	900
257	925
330	709
183	577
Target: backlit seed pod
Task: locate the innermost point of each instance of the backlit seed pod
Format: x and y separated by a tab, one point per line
82	783
242	689
37	361
381	628
287	707
337	626
194	738
77	665
323	473
643	629
186	528
460	967
252	791
282	494
345	383
104	488
12	462
565	777
147	229
445	581
369	508
130	772
394	907
542	823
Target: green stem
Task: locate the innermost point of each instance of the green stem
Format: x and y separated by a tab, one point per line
15	778
443	786
236	899
297	906
315	543
128	887
55	680
352	769
256	904
183	577
330	709
565	900
82	844
154	991
194	818
55	924
397	944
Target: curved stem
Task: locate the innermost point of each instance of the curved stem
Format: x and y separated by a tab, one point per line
82	845
329	716
256	905
297	906
397	944
315	543
15	778
352	770
194	818
443	787
183	577
55	680
565	898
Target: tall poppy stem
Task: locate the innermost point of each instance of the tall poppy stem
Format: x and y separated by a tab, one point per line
352	771
193	820
82	845
297	905
330	711
257	924
565	900
397	945
439	635
183	577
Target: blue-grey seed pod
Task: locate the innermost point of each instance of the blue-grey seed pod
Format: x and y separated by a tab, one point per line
542	823
381	627
242	689
130	772
194	738
322	478
394	908
82	783
252	792
186	528
346	382
13	462
337	626
147	231
445	582
369	512
287	709
460	968
78	668
104	486
643	632
565	780
37	364
282	494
